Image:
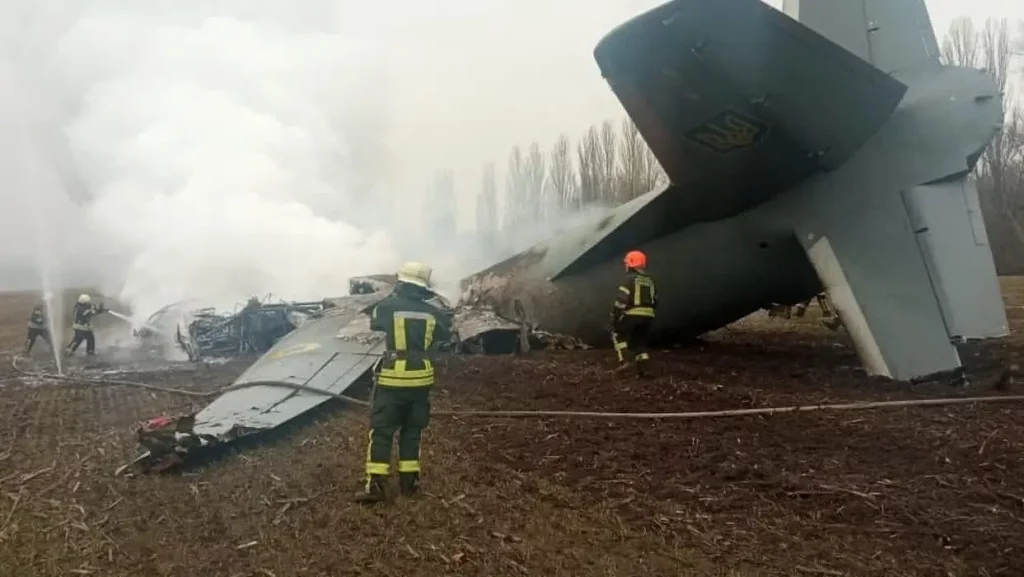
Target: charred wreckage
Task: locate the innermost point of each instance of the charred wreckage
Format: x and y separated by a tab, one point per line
312	351
205	333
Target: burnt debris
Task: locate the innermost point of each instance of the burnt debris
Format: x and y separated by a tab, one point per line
205	333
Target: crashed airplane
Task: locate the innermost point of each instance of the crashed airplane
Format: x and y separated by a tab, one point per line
825	147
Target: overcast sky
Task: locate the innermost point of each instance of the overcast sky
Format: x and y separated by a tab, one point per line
412	85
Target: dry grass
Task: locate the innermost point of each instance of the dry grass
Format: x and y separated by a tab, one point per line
927	491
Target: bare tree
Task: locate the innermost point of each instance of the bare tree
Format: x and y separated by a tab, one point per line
996	168
515	191
653	174
535	172
487	208
1018	45
632	152
562	182
639	170
1013	135
999	169
588	167
960	46
609	163
995	56
442	202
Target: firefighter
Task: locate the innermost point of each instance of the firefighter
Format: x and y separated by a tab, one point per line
633	312
37	328
83	313
401	395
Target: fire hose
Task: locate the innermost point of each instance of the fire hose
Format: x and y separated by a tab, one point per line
542	414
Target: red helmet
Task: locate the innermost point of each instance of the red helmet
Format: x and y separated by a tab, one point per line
635	259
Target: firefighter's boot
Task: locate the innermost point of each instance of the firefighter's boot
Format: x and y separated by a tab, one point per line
373	492
409	483
642	369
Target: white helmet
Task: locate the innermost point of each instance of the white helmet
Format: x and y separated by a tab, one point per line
84	299
415	273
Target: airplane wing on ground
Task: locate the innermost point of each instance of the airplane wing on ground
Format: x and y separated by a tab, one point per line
738	102
328	354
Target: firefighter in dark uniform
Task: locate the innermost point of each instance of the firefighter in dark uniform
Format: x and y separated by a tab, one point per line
37	328
633	312
83	313
401	396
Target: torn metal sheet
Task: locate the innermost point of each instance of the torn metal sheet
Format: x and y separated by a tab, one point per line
326	354
481	330
254	329
321	355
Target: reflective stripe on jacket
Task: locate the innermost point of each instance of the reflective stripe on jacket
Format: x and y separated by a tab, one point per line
637	296
412	327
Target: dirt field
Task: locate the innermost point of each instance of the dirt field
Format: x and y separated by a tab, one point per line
890	492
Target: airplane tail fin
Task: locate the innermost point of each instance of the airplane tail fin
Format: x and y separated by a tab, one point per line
894	35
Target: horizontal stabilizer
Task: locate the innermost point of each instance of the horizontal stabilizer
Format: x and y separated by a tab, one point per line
947	221
740	102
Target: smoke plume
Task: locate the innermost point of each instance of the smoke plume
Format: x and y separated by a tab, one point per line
214	149
218	153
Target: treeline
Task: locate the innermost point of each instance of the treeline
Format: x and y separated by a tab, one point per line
1000	171
607	166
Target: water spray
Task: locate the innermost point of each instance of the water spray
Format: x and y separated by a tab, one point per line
53	310
123	317
49	266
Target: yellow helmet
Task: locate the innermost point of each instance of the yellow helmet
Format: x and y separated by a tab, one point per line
415	273
84	299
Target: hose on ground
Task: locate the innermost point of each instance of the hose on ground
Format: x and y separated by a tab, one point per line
96	381
546	414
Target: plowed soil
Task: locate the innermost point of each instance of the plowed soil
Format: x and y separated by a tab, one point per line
899	491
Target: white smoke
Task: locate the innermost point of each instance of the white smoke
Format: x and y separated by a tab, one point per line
216	153
221	148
